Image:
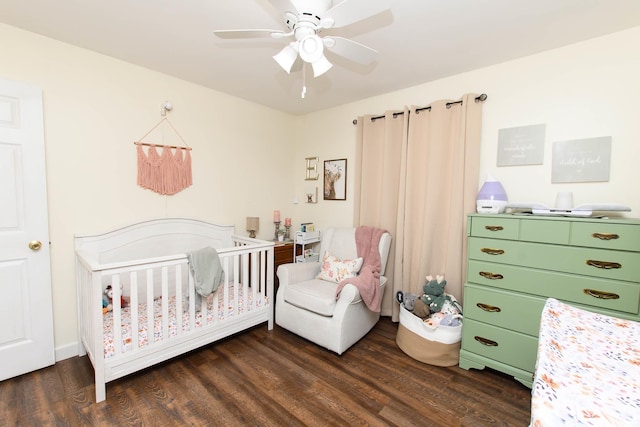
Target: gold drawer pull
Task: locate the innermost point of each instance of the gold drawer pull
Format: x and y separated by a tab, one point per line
494	227
485	341
605	236
604	264
600	294
489	308
491	276
492	251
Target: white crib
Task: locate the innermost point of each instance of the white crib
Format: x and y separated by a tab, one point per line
160	319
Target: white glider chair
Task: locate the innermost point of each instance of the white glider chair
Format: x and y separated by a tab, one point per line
307	306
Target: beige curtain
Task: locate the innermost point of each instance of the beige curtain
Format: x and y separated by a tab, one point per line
417	177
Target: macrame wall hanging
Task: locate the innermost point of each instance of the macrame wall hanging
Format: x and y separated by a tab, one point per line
167	172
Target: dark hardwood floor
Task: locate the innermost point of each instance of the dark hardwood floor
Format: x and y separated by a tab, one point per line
271	378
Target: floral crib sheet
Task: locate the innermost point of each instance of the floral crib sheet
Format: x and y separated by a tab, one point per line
587	370
143	336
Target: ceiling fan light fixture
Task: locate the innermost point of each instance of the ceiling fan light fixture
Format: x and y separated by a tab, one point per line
311	48
286	57
321	66
305	19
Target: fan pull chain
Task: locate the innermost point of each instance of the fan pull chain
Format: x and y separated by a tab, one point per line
304	80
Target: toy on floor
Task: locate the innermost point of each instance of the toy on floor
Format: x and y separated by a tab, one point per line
433	295
440	318
436	299
406	299
412	303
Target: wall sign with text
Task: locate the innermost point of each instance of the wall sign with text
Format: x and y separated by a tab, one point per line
523	145
581	160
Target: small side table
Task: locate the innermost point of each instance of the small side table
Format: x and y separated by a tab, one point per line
282	254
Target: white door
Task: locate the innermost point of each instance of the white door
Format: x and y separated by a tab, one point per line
26	321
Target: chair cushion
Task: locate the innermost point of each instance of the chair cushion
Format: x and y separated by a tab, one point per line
335	270
318	296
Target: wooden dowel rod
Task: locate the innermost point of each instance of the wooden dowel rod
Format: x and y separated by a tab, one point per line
160	145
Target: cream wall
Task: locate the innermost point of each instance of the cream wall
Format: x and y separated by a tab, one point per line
589	89
95	107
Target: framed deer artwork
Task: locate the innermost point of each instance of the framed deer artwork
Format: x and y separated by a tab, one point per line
335	179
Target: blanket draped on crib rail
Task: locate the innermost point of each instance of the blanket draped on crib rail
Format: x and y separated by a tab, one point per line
206	270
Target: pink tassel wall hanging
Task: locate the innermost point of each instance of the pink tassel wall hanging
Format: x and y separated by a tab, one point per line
167	172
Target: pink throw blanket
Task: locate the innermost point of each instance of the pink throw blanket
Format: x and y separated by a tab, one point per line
368	280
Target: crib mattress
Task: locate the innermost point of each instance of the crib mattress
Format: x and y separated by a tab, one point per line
143	335
587	370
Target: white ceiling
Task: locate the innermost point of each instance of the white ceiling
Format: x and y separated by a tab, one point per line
418	40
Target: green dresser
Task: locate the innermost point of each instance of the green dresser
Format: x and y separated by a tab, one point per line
515	262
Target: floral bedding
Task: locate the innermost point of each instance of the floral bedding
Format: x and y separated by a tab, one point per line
143	336
587	370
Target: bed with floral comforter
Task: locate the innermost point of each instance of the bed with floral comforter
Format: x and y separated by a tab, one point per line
587	369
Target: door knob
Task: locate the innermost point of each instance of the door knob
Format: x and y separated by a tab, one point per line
35	245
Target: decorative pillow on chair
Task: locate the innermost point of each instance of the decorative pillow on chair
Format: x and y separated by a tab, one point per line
335	270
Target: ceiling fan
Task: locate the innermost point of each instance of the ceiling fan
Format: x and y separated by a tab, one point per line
305	19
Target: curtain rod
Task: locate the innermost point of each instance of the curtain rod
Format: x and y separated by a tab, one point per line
479	98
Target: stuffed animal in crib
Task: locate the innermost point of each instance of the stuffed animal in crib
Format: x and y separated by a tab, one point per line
107	299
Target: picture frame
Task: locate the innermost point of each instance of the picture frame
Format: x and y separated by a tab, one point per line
335	179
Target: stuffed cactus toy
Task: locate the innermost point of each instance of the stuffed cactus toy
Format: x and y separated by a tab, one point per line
433	295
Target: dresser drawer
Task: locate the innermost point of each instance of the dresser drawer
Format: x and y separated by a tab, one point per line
545	231
495	227
505	346
606	236
283	253
607	264
509	310
585	290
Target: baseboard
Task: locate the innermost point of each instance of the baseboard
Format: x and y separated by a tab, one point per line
66	351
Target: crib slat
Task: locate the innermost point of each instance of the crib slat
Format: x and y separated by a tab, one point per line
236	287
150	328
179	299
203	311
165	303
117	316
133	310
192	303
263	275
256	263
225	301
245	280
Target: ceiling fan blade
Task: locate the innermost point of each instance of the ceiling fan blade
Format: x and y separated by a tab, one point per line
350	49
283	6
350	11
246	34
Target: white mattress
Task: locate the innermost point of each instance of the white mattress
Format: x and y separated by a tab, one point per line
143	336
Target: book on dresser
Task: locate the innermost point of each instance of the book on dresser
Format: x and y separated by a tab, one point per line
516	262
